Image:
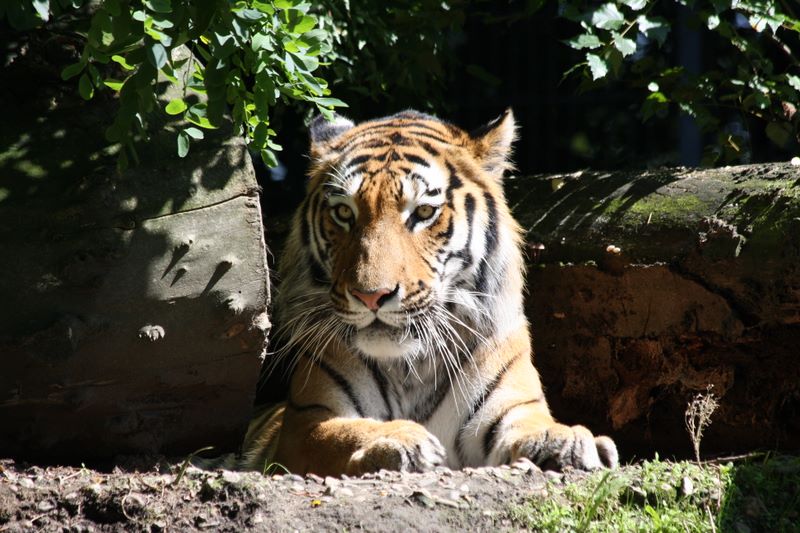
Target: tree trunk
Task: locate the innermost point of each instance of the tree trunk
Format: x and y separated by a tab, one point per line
647	288
133	313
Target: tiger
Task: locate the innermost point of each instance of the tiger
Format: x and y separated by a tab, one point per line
401	301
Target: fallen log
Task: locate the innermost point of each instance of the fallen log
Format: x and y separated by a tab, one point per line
133	316
646	289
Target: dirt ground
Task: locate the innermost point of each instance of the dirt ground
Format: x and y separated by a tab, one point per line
157	497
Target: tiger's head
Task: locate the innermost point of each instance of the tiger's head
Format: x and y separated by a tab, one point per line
404	243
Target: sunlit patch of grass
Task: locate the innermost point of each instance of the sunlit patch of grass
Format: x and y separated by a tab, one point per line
651	496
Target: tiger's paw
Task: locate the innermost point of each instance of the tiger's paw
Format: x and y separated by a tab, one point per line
561	446
401	445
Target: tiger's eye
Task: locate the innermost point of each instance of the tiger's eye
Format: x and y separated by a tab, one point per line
343	212
424	212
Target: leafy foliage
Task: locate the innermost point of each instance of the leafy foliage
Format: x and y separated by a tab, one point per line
246	56
755	81
399	53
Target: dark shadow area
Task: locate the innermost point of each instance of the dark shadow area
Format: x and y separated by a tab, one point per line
103	352
763	495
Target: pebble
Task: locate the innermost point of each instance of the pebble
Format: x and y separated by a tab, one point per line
294	477
331	482
231	477
314	477
46	506
464	487
26	483
795	161
556	477
687	486
298	487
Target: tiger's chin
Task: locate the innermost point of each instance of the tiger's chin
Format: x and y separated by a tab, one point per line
385	343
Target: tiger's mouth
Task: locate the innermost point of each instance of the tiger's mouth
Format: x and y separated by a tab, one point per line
383	341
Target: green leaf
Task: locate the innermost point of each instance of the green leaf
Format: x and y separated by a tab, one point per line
176	107
42	8
157	55
158	6
268	156
72	70
194	133
122	62
656	28
608	17
183	144
794	81
114	85
597	65
585	40
625	46
636	5
285	4
85	87
328	102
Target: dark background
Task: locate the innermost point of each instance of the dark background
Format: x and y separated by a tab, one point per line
503	57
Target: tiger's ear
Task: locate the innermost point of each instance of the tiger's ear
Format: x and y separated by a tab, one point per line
491	144
323	132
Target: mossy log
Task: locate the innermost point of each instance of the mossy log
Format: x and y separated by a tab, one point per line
133	315
645	289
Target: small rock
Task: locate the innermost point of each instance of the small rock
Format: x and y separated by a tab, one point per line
25	483
231	477
331	482
294	478
46	506
297	487
443	470
795	161
424	497
314	477
687	486
464	487
257	518
454	495
343	492
555	477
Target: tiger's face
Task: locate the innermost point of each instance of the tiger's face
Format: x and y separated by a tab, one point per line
401	227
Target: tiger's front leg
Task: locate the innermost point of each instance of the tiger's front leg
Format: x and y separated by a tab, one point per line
536	436
333	446
329	428
517	423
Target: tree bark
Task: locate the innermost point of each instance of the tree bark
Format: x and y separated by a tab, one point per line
133	314
644	289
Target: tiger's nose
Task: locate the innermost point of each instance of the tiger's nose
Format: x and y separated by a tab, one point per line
375	299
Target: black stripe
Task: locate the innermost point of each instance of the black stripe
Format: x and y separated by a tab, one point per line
491	229
490	437
478	404
382	384
304	229
359	159
416	159
430	136
310	407
344	384
398	139
428	148
425	411
318	272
